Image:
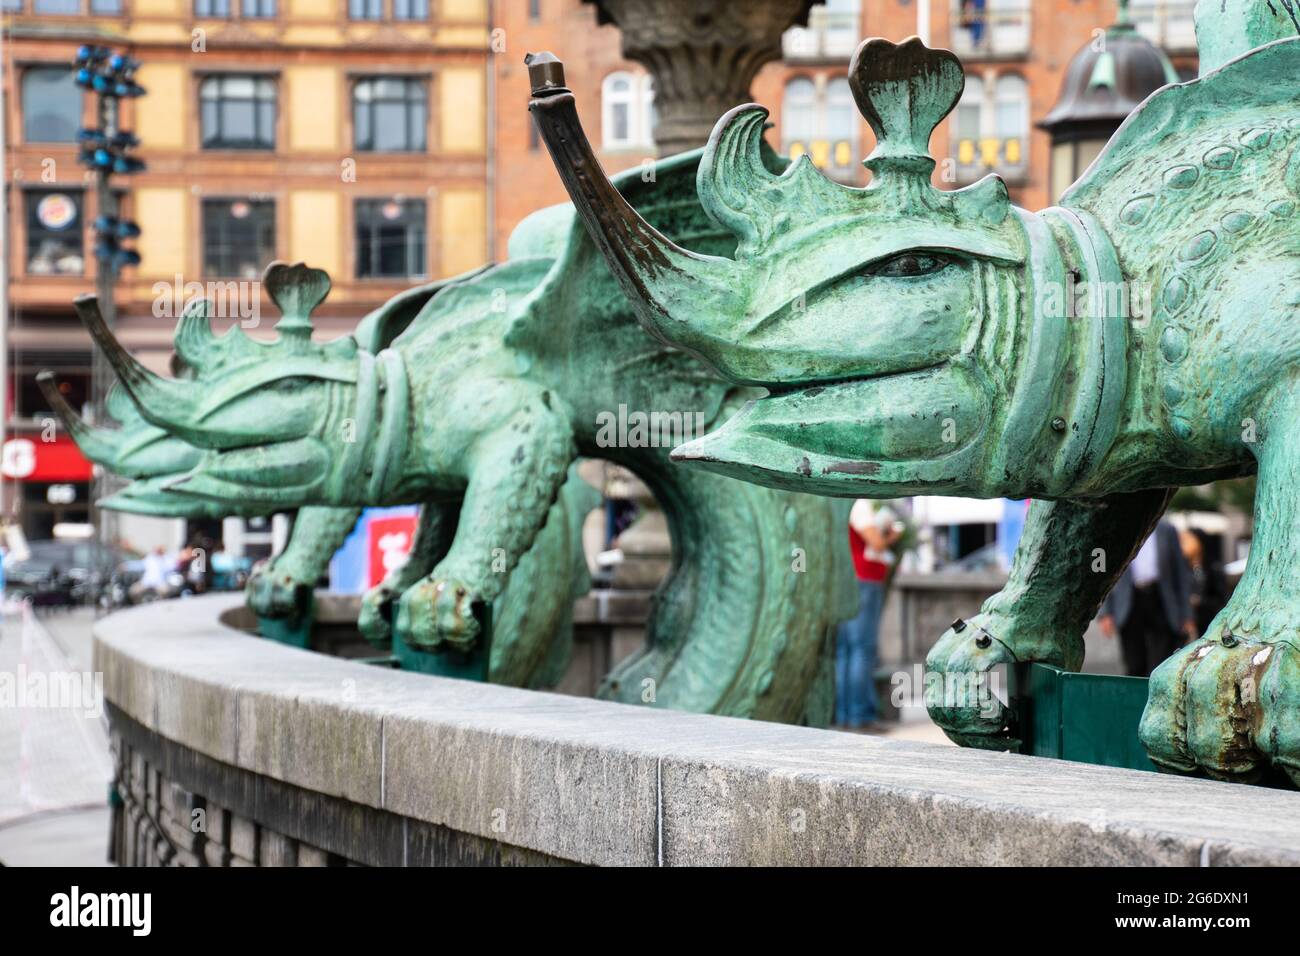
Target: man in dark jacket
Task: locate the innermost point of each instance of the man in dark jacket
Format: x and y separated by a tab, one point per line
1151	604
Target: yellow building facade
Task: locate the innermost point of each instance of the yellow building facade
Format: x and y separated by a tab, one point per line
349	134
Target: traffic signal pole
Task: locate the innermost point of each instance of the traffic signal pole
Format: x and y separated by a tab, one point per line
101	375
105	150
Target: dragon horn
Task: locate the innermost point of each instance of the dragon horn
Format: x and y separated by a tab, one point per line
167	403
659	277
97	444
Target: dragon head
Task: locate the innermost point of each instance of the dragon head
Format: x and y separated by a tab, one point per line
905	334
140	451
135	449
286	422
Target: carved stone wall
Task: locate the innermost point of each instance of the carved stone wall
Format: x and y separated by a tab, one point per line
175	807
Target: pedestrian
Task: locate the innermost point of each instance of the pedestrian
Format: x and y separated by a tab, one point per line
1150	606
153	582
874	530
1209	589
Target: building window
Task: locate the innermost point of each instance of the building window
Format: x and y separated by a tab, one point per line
54	232
212	9
11	6
237	112
366	9
390	238
991	28
105	6
390	114
73	371
51	105
65	8
992	129
1169	24
238	237
410	9
821	120
832	33
258	9
627	111
534	10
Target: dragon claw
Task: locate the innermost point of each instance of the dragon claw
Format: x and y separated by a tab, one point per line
375	618
277	595
960	686
439	612
1227	708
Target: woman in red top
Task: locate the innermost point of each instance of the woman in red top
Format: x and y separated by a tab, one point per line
874	529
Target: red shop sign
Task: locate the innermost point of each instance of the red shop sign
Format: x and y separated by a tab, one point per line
26	458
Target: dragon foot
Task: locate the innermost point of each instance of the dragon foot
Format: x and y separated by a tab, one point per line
1227	707
439	611
375	618
275	594
961	685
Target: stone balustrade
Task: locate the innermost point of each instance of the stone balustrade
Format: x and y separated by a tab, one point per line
234	750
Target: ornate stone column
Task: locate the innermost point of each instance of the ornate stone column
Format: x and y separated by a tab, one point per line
703	54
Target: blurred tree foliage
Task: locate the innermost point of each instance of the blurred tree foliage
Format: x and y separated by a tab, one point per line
1234	494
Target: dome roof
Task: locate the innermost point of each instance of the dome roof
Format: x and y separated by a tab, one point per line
1103	86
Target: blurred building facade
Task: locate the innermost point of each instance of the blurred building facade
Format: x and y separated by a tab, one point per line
351	134
388	142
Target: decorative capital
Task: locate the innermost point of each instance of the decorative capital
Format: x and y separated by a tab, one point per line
296	291
904	91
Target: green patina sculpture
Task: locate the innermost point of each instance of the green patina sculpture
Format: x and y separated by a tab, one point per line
1140	337
151	456
476	410
533	613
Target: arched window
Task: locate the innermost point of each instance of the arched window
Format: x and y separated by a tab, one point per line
990	131
627	111
1011	120
798	113
821	119
1166	23
841	125
991	28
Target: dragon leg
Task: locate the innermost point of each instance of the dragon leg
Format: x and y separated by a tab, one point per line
282	589
1228	705
1070	555
515	473
532	619
432	539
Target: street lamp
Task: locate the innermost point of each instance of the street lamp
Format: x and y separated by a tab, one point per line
1103	84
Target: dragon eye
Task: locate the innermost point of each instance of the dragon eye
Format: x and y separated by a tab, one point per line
291	384
910	265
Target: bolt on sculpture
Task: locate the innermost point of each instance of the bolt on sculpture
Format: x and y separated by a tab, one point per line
918	341
476	411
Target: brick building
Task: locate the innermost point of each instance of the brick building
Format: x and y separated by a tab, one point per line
1015	53
388	141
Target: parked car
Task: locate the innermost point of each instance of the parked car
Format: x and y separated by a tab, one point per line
61	573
